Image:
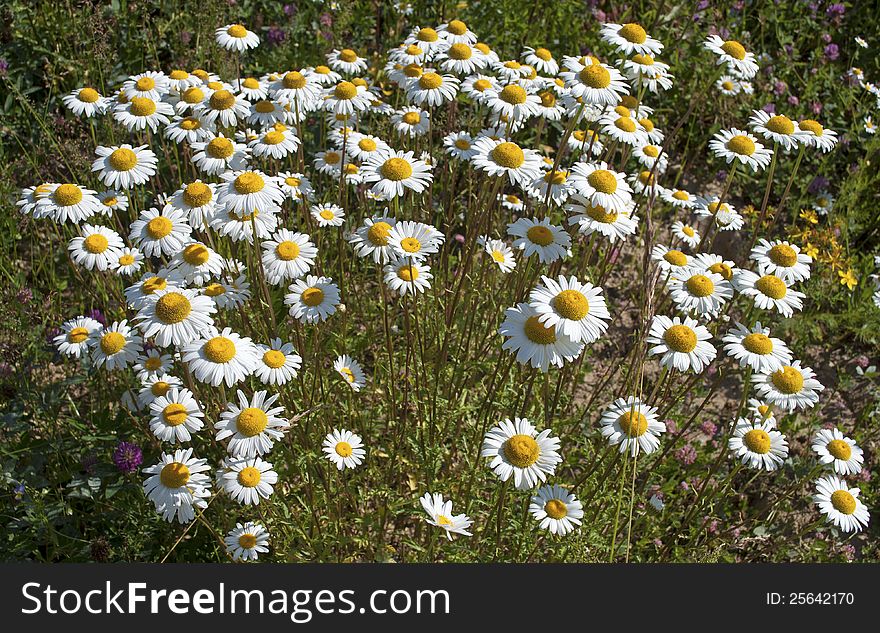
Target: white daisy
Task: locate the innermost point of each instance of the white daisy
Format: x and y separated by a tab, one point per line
577	310
395	172
176	416
247	541
699	291
344	448
235	37
440	515
253	427
96	248
220	357
176	316
408	276
739	145
312	299
633	425
501	254
160	232
758	444
684	343
769	292
840	504
328	215
414	240
790	387
534	236
247	480
351	372
533	342
838	451
783	259
124	166
558	511
115	346
86	102
754	347
74	337
517	449
178	484
601	185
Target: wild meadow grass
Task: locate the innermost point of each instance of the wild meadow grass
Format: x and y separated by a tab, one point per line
284	281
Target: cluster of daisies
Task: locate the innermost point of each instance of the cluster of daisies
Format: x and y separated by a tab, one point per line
193	259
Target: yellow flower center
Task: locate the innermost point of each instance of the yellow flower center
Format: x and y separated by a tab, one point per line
174	475
331	158
159	227
548	98
190	123
77	335
595	76
459	51
537	333
264	107
249	476
462	144
343	449
153	363
251	421
599	214
540	235
250	83
196	254
193	95
430	81
249	182
626	124
410	245
174	414
555	509
633	33
408	273
687	230
145	84
780	124
757	441
443	520
312	296
412	70
413	50
396	169
88	95
427	35
508	155
651	150
521	450
67	195
153	284
646	178
481	85
571	304
347	55
678	194
676	258
110	201
772	286
644	60
788	380
219	349
237	30
498	256
633	423
812	126
783	255
222	100
345	90
758	343
513	94
513	64
214	289
197	194
680	338
274	359
411	118
378	233
367	145
543	54
839	449
173	307
287	250
843	501
95	243
456	27
727	85
142	106
292	181
734	49
220	147
742	145
273	137
112	342
247	541
603	181
765	411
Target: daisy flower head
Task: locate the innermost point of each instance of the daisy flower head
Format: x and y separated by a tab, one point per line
86	102
328	215
501	158
150	85
684	343
777	128
66	202
139	113
176	316
769	292
501	254
344	448
246	191
758	444
783	259
96	248
630	38
739	145
197	263
296	186
593	83
456	31
328	162
312	299
686	233
414	241
556	509
220	357
761	411
411	122
815	135
592	218
513	102
576	310
351	372
479	87
790	388
152	364
224	108
371	239
427	39
189	130
229	295
550	108
75	336
632	425
154	386
278	363
346	98
30	196
755	348
459	145
274	143
160	232
235	37
218	154
461	58
534	236
511	201
176	415
247	480
679	198
362	147
177	484
394	172
699	291
253	426
533	342
287	255
841	504
739	61
115	346
346	61
672	261
141	292
440	515
622	127
407	276
261	222
432	89
541	59
838	452
518	450
650	157
601	185
728	86
247	541
252	89
124	166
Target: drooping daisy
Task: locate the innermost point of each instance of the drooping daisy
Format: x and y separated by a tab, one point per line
630	38
229	295
534	236
351	372
253	426
247	541
633	425
739	145
758	444
220	357
841	504
601	185
139	113
328	215
684	343
235	37
440	515
219	154
533	342
838	451
686	233
278	362
176	415
517	450
501	254
395	172
769	292
783	259
699	291
96	248
247	480
160	232
414	240
502	158
512	202
791	387
754	347
594	83
178	484
86	102
591	218
739	61
557	510
115	346
777	128
74	337
288	255
312	299
407	276
66	203
176	316
344	448
577	310
817	136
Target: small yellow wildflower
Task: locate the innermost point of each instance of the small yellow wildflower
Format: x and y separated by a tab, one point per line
848	279
808	215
